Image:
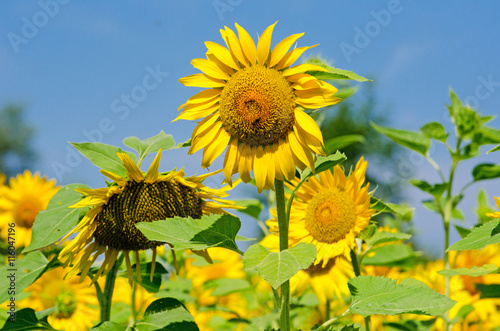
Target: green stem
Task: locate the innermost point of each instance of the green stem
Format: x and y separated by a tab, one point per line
283	234
132	305
327	314
325	326
109	286
357	272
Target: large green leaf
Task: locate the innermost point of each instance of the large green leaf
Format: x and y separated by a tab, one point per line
167	314
22	272
479	237
104	156
197	234
436	190
333	73
435	130
418	142
380	295
486	171
26	319
489	290
473	272
388	255
324	163
57	219
276	268
150	145
337	143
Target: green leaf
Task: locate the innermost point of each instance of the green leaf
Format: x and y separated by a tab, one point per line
225	286
104	156
418	142
485	171
435	190
23	272
488	135
150	286
382	237
57	219
337	143
333	73
386	207
253	207
187	143
26	319
494	149
380	295
167	314
463	232
388	254
411	325
197	234
489	290
276	268
324	163
483	207
473	272
109	326
150	145
435	130
479	237
346	92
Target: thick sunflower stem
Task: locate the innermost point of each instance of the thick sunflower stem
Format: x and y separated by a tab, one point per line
357	272
283	235
109	286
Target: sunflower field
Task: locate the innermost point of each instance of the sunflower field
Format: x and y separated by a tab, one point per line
160	246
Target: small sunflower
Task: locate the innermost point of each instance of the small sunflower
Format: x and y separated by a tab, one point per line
255	105
330	211
76	304
20	202
109	227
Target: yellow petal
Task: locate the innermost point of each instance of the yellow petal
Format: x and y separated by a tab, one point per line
204	140
133	171
317	101
292	56
213	150
204	125
203	96
209	68
245	162
303	68
189	115
260	169
287	164
234	46
201	80
222	53
152	174
247	44
227	69
308	140
230	164
282	47
264	44
117	179
302	153
269	161
201	106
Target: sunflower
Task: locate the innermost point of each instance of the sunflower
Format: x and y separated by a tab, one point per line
255	105
497	213
76	304
330	211
20	202
109	227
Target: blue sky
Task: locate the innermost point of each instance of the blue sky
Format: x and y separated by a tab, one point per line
70	63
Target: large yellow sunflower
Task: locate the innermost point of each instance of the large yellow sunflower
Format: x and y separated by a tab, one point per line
330	211
20	202
109	227
76	304
255	104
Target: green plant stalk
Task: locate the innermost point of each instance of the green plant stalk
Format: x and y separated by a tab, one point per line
283	236
357	272
132	304
109	286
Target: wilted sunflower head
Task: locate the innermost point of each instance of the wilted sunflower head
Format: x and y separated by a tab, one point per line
330	211
109	227
255	105
21	200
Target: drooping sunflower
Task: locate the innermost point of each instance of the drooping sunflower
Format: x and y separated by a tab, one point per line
76	304
20	202
255	105
109	227
329	211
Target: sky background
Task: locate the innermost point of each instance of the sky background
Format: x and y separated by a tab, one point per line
69	63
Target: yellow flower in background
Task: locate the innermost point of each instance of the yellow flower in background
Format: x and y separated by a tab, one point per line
20	202
254	105
109	227
76	304
330	211
497	213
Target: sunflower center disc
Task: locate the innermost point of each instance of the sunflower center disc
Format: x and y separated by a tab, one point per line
26	212
65	305
257	106
330	215
143	202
